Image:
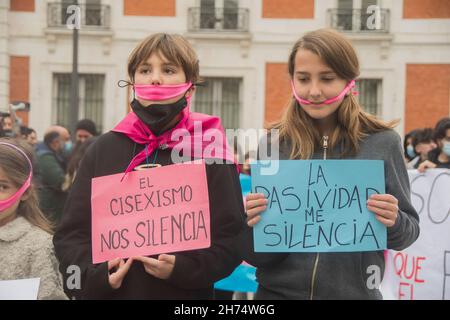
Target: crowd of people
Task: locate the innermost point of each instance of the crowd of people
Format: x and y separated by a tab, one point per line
55	159
428	147
323	121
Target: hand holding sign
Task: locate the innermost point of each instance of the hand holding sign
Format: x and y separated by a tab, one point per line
118	269
385	207
255	204
160	268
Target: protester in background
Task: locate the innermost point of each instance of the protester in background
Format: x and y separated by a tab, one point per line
324	120
439	157
66	140
52	169
28	135
7	126
422	143
408	149
26	247
84	130
75	159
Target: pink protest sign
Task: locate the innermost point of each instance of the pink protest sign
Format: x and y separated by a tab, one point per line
159	210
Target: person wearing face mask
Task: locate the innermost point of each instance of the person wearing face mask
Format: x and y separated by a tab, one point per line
440	156
324	121
163	71
422	144
408	148
51	163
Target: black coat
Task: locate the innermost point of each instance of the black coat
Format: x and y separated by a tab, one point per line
195	271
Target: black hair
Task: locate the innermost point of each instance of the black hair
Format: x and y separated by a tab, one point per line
25	131
50	137
88	125
410	134
423	136
440	131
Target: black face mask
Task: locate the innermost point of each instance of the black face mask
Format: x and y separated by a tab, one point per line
158	116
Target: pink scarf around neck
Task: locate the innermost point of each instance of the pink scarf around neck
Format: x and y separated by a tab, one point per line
190	124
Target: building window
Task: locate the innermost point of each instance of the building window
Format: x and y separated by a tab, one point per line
345	14
91	87
93	13
351	15
218	15
223	13
230	15
220	97
207	14
364	16
369	95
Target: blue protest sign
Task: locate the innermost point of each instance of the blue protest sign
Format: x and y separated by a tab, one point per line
246	183
319	206
243	279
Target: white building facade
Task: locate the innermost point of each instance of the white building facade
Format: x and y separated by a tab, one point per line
238	43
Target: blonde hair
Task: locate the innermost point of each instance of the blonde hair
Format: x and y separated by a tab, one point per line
353	124
173	47
16	167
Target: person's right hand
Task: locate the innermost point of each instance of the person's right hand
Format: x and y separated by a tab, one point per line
427	164
121	267
255	204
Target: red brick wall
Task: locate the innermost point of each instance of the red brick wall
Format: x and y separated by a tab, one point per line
19	82
427	94
426	9
278	91
165	8
288	9
22	5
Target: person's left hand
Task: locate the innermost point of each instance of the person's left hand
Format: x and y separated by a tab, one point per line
385	207
160	268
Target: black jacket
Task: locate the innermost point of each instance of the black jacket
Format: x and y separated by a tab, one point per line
433	156
195	271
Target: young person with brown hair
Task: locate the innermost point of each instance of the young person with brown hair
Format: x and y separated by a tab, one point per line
324	120
163	70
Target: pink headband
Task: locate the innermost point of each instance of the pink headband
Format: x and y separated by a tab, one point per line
5	204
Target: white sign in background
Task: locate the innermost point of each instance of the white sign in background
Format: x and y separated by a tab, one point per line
24	289
422	271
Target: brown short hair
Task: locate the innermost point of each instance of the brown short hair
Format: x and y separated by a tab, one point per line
173	47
